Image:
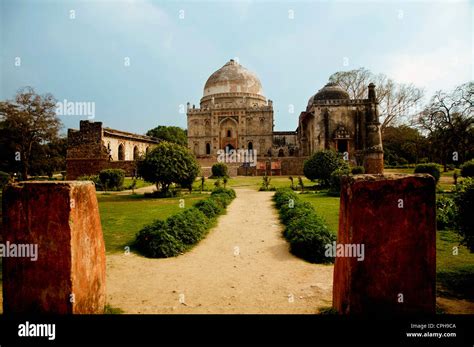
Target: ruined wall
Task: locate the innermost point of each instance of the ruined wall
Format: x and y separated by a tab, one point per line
93	148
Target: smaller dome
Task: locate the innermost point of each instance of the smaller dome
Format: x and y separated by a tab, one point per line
330	91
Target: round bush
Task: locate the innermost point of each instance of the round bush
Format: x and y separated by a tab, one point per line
219	170
467	169
321	164
308	239
358	170
112	178
154	241
464	199
188	226
429	168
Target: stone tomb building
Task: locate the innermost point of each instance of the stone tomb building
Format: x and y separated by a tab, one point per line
93	148
235	114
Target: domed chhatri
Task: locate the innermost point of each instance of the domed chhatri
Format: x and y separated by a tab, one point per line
331	91
233	78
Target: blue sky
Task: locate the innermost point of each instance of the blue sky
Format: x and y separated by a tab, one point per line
426	43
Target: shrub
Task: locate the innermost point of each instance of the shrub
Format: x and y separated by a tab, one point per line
112	178
169	163
446	213
305	230
178	233
464	199
321	164
358	170
308	238
429	168
467	169
229	192
93	178
335	181
154	241
210	207
4	179
187	226
219	170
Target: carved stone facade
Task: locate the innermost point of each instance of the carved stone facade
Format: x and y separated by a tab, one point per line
93	148
350	126
233	114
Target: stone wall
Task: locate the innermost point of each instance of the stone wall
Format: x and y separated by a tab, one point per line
93	148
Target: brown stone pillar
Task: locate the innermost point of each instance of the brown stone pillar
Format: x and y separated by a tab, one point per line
62	219
394	218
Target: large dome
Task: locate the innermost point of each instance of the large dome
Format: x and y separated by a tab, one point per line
330	91
233	78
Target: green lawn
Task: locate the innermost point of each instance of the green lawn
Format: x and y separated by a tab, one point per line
326	207
140	183
122	216
253	182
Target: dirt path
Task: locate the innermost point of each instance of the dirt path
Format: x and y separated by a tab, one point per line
242	266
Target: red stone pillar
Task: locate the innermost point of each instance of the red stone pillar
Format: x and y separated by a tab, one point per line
62	219
394	218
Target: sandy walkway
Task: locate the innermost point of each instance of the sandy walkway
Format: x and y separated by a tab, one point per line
242	266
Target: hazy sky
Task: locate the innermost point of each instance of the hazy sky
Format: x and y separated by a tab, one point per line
174	46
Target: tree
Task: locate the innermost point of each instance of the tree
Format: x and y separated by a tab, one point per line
403	144
449	123
322	164
397	101
169	163
170	134
26	122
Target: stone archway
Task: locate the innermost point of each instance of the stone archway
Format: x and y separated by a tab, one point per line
228	133
121	152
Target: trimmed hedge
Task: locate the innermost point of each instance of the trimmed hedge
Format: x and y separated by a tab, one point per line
306	232
112	178
429	168
358	170
178	233
467	169
446	212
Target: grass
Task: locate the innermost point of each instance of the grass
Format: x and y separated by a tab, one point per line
127	182
122	216
455	273
325	206
252	182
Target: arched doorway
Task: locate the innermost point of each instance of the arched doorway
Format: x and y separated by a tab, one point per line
281	153
250	147
121	152
135	153
208	148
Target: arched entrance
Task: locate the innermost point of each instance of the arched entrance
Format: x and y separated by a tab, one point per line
121	152
228	134
229	147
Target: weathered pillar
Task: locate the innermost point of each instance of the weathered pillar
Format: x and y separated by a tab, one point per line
62	220
394	218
